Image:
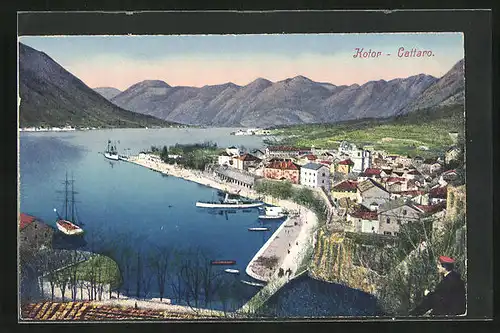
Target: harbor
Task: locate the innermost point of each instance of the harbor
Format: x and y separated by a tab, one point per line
286	243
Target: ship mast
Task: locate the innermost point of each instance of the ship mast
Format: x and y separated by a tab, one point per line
72	199
66	197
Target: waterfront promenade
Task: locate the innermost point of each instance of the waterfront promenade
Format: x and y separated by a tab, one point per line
289	241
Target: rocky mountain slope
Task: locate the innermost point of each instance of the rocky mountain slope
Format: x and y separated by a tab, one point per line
51	96
107	92
292	101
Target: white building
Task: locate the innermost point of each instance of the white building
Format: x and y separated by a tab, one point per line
225	159
315	175
233	151
362	160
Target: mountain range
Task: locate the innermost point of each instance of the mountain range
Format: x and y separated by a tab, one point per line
296	100
52	96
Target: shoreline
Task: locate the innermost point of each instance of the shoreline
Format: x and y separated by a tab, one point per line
303	223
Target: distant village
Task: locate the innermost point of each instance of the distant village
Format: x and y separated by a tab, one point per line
370	191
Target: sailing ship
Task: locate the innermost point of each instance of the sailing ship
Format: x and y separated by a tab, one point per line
111	152
64	224
229	203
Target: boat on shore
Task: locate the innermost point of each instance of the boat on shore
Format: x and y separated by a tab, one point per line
223	262
232	271
111	153
229	203
258	229
255	284
272	213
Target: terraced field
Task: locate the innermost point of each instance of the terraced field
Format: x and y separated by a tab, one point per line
425	133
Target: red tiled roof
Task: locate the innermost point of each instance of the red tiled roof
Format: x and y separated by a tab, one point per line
283	165
346	162
286	148
395	179
432	209
372	172
438	192
248	158
411	193
84	310
311	157
414	172
346	185
326	162
24	220
365	215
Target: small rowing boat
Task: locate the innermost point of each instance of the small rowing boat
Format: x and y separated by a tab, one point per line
255	284
223	262
232	271
258	229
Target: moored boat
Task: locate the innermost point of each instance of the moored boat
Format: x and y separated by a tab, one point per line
258	229
271	213
229	203
111	152
66	225
232	271
223	262
68	228
255	284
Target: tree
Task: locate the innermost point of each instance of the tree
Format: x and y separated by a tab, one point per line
161	263
164	154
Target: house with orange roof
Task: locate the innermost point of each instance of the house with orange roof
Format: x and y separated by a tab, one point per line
243	162
282	170
33	234
345	166
344	189
363	220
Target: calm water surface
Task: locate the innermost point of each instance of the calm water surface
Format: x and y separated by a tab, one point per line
119	200
128	207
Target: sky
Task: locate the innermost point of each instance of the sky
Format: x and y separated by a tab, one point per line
198	60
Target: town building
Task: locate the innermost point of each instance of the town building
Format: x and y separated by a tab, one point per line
258	153
372	173
438	194
283	169
363	220
307	158
33	234
225	159
235	176
345	189
243	162
395	213
286	151
345	166
315	175
371	194
362	160
233	151
452	154
329	164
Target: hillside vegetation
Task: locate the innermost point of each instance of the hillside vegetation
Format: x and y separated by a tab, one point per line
405	135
